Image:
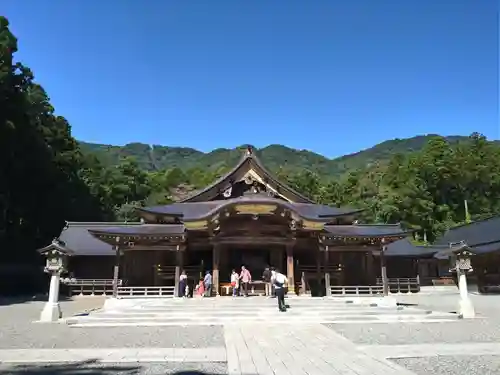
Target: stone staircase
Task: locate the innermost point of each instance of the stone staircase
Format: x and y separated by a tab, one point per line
227	310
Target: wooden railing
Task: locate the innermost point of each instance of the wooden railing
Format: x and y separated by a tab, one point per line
89	287
169	271
146	291
312	270
402	285
350	290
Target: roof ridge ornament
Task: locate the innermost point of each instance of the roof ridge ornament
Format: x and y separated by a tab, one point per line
249	151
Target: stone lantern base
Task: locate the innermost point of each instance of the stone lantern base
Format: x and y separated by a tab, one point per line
51	312
466	308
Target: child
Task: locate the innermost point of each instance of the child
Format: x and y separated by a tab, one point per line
200	289
234	282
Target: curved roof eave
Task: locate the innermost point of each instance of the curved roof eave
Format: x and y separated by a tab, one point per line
248	158
192	211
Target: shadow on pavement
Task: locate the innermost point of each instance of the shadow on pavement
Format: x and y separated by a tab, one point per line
93	367
14	300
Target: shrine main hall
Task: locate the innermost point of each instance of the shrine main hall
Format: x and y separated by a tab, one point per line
247	217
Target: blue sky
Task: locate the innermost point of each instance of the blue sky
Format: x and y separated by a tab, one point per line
330	76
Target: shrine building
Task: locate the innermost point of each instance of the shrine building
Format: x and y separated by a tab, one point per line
248	218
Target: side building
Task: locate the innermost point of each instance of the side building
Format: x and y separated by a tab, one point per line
481	238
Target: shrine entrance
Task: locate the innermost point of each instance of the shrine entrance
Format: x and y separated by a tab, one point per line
255	260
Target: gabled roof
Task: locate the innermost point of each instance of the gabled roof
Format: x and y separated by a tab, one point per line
405	248
199	210
248	161
482	236
77	238
476	233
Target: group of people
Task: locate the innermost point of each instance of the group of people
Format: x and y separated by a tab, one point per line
276	285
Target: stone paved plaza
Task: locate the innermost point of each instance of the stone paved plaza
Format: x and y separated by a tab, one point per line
448	347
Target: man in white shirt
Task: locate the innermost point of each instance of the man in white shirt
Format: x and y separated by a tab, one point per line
280	281
273	277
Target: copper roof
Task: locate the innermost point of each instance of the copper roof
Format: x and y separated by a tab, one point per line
248	160
200	210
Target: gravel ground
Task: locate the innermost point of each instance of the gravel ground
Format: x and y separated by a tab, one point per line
448	365
480	330
117	369
485	328
18	332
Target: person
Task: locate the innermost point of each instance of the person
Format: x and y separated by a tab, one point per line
234	282
207	281
183	288
280	282
266	276
200	289
273	277
245	278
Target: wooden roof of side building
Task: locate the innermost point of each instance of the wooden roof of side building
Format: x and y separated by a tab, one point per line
481	237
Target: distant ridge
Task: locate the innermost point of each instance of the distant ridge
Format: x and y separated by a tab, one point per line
273	156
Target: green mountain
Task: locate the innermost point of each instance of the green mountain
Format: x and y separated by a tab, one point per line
273	156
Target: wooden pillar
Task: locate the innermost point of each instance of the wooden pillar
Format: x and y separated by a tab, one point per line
318	267
290	271
372	280
158	264
383	272
215	271
223	265
341	279
179	259
328	290
277	258
116	270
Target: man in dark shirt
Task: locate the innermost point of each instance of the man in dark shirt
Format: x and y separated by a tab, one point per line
266	275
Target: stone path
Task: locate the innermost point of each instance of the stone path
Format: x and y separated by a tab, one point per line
299	350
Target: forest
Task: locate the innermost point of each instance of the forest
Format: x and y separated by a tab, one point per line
47	177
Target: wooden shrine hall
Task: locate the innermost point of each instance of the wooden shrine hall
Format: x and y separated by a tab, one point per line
248	218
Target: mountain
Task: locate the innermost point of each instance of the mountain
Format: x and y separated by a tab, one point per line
273	156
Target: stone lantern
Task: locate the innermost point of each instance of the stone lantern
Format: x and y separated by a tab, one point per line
460	256
56	259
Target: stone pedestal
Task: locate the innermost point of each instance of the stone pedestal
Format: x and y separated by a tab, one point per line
465	306
466	309
52	311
